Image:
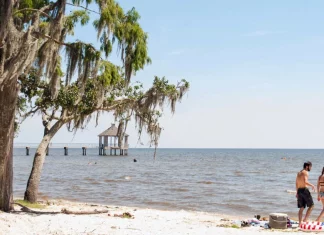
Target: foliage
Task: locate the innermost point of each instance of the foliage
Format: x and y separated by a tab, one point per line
30	205
91	83
76	104
33	37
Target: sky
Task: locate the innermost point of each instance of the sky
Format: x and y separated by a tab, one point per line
255	69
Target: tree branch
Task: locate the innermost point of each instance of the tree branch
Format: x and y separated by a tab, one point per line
83	8
31	112
35	10
49	37
63	43
53	115
115	104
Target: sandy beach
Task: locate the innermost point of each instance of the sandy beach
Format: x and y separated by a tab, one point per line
143	221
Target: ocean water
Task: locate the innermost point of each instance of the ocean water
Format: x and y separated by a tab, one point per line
226	181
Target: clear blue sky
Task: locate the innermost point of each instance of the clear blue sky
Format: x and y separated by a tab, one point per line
256	71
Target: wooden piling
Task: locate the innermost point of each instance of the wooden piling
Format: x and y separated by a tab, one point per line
84	151
66	151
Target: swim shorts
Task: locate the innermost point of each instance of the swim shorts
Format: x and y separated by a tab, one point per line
304	198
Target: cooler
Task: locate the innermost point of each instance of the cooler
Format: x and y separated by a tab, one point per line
278	220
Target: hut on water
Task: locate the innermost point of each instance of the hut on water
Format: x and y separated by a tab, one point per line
108	141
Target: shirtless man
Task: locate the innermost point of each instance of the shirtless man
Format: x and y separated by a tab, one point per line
303	195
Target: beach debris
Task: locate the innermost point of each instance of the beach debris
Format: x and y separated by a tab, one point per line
63	211
126	215
227	223
66	211
26	209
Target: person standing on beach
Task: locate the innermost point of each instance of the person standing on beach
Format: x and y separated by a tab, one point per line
320	193
304	197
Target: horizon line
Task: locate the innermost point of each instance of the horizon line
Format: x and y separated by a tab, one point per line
147	147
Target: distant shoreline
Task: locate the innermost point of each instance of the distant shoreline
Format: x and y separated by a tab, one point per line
95	145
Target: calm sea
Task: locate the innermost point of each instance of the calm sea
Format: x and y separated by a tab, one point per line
228	181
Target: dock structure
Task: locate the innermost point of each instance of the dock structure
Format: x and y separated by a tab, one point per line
108	142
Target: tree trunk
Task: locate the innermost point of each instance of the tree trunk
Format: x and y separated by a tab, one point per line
5	13
31	192
8	100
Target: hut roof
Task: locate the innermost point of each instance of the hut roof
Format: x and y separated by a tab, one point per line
111	131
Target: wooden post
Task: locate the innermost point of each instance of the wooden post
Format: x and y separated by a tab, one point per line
102	149
84	151
66	151
106	141
100	145
27	151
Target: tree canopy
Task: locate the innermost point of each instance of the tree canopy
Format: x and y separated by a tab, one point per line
33	40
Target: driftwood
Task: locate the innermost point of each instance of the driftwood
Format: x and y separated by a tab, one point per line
63	211
26	209
66	211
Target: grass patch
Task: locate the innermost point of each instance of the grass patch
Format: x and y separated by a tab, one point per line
235	226
30	205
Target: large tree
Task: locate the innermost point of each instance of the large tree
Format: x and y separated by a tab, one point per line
75	105
32	34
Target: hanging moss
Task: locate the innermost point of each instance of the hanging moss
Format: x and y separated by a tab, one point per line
34	40
82	56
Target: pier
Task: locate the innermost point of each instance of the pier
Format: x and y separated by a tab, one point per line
108	144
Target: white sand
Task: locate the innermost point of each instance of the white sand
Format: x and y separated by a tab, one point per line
145	221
